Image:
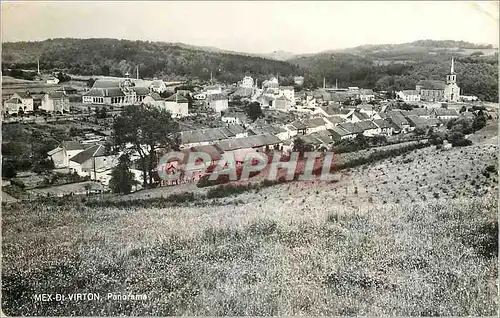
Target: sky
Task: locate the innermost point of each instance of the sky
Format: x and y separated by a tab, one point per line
255	26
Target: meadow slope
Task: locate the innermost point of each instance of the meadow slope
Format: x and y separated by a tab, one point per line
370	244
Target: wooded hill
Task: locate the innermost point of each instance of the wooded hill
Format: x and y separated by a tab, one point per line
155	59
382	67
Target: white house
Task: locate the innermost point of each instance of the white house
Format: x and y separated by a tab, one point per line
177	105
271	83
26	101
53	80
87	162
409	95
55	102
385	127
200	96
443	113
154	99
64	152
158	86
288	92
217	102
213	90
234	117
247	82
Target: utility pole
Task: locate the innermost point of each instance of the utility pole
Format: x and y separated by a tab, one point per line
336	84
137	71
38	66
324	83
210	77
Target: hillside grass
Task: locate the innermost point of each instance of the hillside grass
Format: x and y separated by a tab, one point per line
434	258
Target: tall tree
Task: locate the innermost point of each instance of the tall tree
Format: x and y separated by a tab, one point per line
122	179
254	111
147	129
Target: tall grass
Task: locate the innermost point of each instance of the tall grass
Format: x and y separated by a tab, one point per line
432	258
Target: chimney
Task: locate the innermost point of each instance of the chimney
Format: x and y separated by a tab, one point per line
324	83
38	66
137	71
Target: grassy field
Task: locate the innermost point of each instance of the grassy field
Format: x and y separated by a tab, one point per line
367	245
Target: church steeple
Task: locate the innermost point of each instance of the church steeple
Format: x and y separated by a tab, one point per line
452	77
452	67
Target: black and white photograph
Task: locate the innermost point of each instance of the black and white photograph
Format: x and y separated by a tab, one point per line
249	158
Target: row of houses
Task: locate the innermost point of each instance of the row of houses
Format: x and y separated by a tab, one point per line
25	102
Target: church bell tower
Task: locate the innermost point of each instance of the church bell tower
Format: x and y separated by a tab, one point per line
452	77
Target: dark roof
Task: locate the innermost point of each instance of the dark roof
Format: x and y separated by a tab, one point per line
355	129
382	123
298	125
216	97
235	129
57	95
432	84
24	94
213	151
141	90
100	83
205	135
87	154
335	120
366	125
360	115
13	100
155	96
177	98
314	122
397	117
445	112
248	142
72	145
337	132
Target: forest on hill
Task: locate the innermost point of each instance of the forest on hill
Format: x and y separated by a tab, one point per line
381	67
155	59
476	74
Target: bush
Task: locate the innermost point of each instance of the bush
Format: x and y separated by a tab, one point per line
18	183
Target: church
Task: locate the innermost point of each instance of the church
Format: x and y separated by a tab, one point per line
438	91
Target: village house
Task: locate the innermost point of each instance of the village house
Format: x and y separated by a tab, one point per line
443	113
200	96
232	117
55	102
366	95
352	128
217	102
64	152
158	86
26	102
296	128
177	105
265	101
271	83
368	127
357	116
247	82
338	133
213	90
258	143
315	125
408	96
400	124
385	127
279	132
153	99
368	110
298	80
282	103
87	162
52	80
288	92
201	137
